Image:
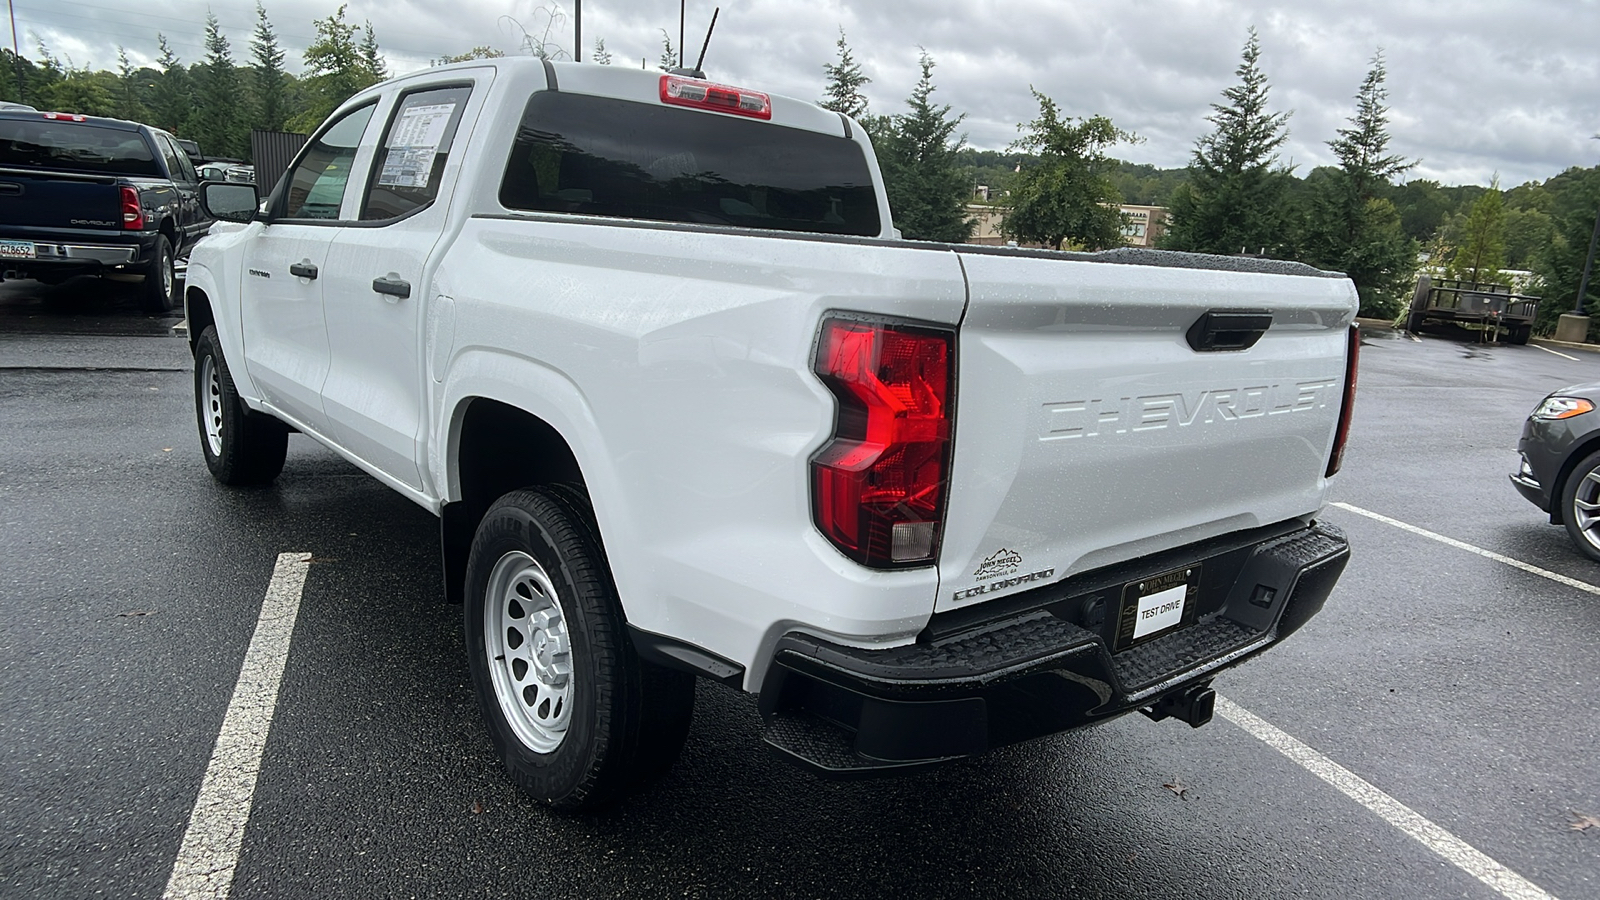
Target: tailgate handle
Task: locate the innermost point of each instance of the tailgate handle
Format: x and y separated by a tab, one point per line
1236	329
10	187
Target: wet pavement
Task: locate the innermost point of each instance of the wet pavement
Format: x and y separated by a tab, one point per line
1462	687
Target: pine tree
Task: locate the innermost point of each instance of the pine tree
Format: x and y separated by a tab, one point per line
1349	226
271	89
1067	194
215	122
1483	247
601	54
128	103
927	190
845	80
371	58
171	100
1233	201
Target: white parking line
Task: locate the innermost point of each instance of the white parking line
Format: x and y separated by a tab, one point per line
1453	849
210	850
1558	353
1462	545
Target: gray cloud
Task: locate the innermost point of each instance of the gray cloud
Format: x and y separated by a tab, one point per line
1477	88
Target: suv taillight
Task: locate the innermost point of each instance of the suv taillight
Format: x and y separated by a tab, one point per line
132	211
878	487
1352	355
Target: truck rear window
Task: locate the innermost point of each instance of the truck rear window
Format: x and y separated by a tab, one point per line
599	156
76	147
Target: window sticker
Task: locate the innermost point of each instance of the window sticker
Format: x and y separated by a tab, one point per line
413	144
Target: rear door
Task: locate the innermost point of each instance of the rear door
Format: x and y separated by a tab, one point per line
1090	431
281	288
377	275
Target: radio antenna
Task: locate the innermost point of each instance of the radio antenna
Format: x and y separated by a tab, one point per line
700	63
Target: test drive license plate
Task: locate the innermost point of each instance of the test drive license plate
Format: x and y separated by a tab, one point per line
1154	606
16	250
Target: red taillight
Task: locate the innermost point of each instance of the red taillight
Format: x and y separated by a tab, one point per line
132	211
1348	405
879	485
680	91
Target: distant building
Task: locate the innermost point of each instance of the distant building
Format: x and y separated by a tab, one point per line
1146	225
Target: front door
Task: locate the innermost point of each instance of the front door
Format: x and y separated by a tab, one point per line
281	289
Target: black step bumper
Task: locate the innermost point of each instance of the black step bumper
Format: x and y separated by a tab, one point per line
1041	664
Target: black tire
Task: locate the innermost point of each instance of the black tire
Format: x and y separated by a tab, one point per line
536	552
1583	486
159	293
1519	334
241	447
1414	323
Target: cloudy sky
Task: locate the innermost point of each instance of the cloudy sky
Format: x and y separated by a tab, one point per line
1477	87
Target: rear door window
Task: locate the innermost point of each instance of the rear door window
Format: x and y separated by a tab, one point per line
599	156
416	146
75	147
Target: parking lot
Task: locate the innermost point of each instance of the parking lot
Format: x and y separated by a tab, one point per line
1431	734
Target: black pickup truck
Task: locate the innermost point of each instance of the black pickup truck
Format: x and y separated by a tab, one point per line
85	195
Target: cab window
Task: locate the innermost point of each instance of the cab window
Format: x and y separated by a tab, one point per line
316	186
416	146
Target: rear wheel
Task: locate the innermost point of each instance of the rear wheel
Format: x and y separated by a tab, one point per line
573	712
1519	334
160	289
1580	505
241	447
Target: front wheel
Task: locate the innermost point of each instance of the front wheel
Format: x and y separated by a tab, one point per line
241	447
1580	505
573	712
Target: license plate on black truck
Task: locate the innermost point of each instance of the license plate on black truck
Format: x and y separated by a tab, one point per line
1157	605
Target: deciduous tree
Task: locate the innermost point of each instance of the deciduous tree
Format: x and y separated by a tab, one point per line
1067	194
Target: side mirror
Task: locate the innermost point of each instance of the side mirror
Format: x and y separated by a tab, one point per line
230	202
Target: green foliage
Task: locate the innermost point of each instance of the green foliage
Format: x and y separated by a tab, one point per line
1146	185
917	151
336	67
669	56
1528	232
1233	200
481	52
128	103
1348	227
845	81
1574	206
170	101
214	122
1482	252
267	75
1068	194
601	54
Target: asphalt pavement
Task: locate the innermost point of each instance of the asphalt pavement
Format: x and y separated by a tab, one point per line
1461	687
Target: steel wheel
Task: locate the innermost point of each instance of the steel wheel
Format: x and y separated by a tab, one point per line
169	277
211	403
529	651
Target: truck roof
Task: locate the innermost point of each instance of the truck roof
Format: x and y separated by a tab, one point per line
100	121
641	85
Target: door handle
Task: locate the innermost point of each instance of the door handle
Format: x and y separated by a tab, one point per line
303	269
393	285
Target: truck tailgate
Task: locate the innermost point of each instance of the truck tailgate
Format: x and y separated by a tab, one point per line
1089	431
59	201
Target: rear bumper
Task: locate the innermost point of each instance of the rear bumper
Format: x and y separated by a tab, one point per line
1038	667
80	252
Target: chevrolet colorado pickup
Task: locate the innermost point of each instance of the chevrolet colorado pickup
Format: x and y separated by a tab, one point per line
82	195
686	406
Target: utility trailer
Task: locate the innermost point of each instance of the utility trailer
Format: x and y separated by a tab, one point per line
1495	306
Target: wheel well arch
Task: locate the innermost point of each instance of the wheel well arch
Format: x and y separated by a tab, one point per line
198	313
170	230
496	448
1589	445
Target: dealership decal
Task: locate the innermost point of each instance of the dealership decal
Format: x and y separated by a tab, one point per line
1001	562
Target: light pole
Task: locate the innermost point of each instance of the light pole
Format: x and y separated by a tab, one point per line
1583	283
577	30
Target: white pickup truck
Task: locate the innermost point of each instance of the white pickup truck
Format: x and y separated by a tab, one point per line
685	405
